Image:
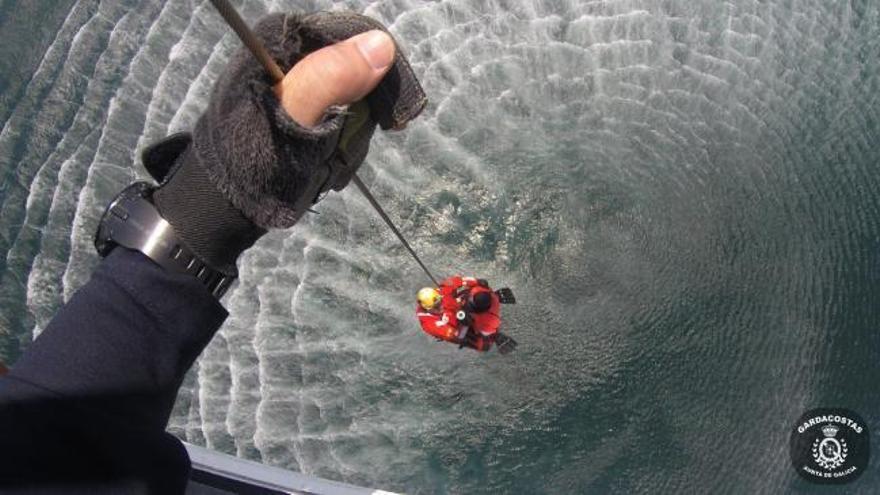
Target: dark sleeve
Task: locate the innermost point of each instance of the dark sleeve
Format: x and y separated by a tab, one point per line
90	397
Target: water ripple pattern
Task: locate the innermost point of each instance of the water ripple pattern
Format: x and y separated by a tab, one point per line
683	194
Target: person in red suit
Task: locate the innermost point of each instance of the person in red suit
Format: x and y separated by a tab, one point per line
464	311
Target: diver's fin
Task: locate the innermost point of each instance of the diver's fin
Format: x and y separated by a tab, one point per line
505	344
505	296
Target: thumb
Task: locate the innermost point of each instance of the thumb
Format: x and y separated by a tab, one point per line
338	74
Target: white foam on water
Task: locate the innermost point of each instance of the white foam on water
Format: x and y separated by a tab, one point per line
45	117
264	440
49	61
186	59
44	294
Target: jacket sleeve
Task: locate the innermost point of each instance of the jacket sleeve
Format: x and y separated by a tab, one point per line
440	326
91	396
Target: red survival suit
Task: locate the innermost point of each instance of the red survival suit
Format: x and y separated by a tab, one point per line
443	323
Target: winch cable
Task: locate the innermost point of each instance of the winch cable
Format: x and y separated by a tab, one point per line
259	51
366	192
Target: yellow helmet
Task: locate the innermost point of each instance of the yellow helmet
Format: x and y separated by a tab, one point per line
429	298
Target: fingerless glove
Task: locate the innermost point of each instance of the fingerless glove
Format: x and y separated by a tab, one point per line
248	166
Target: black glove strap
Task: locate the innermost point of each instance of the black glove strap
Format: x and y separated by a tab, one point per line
214	229
132	221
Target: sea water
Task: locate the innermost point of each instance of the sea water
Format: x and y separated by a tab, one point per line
683	195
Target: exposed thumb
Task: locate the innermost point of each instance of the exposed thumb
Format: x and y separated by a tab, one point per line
338	74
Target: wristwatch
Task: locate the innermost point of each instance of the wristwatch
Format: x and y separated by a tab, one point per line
131	220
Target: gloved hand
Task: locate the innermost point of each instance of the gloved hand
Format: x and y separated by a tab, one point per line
248	165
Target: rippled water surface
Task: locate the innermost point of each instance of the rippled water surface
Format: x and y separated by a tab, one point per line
683	193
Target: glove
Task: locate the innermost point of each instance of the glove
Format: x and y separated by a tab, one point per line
248	166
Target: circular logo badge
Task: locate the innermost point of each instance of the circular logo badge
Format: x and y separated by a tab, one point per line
830	445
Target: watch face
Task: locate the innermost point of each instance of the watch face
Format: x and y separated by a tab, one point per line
104	242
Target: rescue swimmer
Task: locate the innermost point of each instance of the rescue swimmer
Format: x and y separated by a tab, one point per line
465	311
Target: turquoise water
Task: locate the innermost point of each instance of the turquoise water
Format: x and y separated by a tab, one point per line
683	194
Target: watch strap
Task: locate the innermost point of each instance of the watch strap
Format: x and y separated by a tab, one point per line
132	221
